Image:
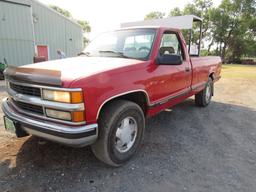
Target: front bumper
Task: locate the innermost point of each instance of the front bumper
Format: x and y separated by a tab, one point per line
76	136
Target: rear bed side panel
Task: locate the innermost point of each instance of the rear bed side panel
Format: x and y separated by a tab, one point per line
203	67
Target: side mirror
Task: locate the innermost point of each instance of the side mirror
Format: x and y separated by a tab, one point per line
169	60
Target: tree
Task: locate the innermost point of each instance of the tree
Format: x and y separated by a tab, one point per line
229	30
86	29
175	12
61	11
154	15
85	26
201	9
232	28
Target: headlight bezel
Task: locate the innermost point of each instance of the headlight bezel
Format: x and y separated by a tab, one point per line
50	114
62	96
65	96
74	116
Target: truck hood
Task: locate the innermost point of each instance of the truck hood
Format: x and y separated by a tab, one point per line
63	72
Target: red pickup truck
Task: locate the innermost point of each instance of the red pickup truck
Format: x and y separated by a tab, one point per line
103	97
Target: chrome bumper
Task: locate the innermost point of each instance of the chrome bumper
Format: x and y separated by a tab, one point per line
76	136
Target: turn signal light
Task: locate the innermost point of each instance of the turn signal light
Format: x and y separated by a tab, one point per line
78	116
76	97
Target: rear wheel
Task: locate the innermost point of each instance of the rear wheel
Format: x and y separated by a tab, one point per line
121	129
203	98
1	75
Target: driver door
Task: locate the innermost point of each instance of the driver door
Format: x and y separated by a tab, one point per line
172	80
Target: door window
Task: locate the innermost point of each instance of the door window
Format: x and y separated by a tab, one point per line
170	45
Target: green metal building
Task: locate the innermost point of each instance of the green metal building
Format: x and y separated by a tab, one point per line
29	28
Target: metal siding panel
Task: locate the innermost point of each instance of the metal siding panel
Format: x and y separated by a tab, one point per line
16	37
55	31
16	20
50	29
26	2
16	52
73	32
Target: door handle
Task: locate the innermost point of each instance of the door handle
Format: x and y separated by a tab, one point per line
187	69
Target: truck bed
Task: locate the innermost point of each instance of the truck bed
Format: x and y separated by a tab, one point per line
203	67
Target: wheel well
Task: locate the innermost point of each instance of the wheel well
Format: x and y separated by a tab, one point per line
212	75
139	98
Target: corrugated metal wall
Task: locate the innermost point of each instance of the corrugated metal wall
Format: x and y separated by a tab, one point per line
50	28
56	31
74	38
16	34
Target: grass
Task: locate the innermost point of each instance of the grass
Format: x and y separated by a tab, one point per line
239	71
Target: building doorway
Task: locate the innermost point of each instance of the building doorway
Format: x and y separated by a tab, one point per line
43	51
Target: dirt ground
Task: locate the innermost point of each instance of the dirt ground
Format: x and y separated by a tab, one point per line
188	149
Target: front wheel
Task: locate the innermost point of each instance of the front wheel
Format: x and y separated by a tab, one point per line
121	129
203	98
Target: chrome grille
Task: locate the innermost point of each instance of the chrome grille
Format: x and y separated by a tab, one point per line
29	107
34	91
26	99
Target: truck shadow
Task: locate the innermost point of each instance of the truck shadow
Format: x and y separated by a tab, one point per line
175	143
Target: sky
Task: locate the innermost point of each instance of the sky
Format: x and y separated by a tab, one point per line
105	15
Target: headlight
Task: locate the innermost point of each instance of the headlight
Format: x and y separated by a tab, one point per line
56	114
76	116
63	96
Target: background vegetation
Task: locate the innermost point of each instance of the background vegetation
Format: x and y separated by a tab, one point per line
229	30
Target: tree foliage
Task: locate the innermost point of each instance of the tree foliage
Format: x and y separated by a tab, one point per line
175	12
61	11
229	30
233	30
84	24
154	15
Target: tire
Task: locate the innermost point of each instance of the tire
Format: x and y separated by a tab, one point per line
1	75
203	98
110	147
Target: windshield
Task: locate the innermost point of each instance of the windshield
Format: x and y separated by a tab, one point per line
132	43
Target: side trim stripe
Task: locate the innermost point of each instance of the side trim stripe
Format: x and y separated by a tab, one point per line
182	93
185	92
200	85
157	103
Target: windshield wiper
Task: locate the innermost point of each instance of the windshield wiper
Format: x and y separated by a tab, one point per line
121	54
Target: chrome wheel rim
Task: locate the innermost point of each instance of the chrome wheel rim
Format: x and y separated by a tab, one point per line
126	134
208	93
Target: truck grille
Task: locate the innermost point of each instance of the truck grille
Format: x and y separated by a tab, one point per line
26	90
29	107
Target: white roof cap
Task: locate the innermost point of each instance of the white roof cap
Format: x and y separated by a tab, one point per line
179	22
